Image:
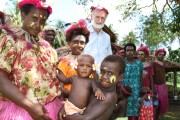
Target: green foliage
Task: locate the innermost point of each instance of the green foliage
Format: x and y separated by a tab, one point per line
174	55
13	13
161	27
131	38
175	24
60	39
155	32
129	8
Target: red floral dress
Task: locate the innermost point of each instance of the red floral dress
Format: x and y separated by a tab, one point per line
146	111
31	66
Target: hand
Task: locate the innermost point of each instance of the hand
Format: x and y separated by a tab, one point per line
99	94
38	112
62	113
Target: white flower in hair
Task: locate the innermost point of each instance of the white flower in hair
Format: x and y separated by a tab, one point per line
95	66
73	64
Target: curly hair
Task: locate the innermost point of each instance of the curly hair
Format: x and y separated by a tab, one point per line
75	30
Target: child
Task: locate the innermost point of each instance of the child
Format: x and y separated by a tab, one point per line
159	78
146	104
82	86
112	69
123	93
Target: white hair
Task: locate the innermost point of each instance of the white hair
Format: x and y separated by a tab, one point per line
48	27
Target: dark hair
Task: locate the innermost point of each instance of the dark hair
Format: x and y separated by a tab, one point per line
118	59
77	31
27	8
130	44
143	91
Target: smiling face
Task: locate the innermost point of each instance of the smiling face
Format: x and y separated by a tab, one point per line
77	44
109	75
98	18
85	66
34	21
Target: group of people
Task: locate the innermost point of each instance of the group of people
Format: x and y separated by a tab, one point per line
89	83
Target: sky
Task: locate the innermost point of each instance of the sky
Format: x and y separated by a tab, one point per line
69	11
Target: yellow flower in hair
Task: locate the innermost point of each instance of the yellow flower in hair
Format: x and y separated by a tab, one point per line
95	67
113	78
73	64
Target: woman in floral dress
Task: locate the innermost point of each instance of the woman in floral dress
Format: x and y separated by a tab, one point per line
132	78
28	80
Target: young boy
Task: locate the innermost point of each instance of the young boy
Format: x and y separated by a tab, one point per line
82	86
112	69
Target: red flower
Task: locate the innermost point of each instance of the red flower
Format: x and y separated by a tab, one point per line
24	90
27	63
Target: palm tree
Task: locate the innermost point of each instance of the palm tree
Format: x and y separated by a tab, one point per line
13	14
130	38
60	39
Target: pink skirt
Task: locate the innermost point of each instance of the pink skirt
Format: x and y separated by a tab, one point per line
162	91
10	111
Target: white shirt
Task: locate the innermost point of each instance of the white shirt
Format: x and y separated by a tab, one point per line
99	45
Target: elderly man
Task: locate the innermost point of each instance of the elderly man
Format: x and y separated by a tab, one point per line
99	42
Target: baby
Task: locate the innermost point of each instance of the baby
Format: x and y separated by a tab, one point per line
82	86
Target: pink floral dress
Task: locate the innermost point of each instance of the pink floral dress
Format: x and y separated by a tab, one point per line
31	66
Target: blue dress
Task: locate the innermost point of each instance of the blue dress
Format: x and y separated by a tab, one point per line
132	77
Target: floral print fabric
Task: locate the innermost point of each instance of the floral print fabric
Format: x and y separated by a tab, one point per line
31	66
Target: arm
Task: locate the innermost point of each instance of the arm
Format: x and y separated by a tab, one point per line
36	111
61	77
97	109
142	99
98	93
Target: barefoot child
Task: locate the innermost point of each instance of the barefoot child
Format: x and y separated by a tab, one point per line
82	86
146	104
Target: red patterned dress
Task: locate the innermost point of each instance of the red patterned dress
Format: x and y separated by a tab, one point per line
31	66
146	110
